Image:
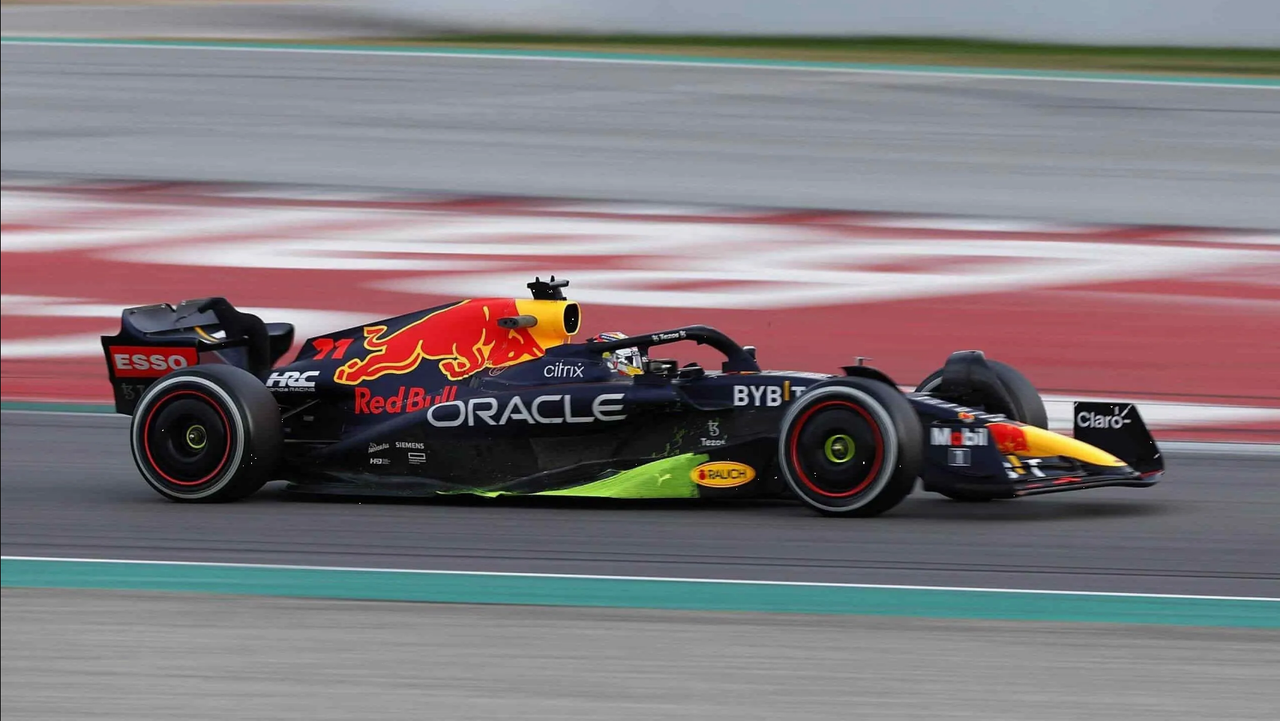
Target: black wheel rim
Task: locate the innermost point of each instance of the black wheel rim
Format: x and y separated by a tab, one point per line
186	439
837	449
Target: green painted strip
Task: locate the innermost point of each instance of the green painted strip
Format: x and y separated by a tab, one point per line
621	592
663	59
56	407
663	478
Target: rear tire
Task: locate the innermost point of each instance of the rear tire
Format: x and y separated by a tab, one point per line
851	447
206	434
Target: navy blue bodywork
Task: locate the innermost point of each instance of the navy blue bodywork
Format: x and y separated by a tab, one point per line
568	417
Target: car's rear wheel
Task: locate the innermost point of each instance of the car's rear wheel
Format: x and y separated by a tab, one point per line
851	447
1028	407
206	434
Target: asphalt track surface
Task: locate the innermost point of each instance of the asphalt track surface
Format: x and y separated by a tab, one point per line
68	488
923	144
135	656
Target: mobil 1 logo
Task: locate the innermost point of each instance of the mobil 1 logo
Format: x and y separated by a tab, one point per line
958	443
958	437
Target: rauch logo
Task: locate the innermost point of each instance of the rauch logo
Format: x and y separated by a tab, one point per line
722	474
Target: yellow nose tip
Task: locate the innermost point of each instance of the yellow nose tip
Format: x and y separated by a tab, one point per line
1047	443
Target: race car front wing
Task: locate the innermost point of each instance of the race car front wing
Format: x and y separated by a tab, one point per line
1110	446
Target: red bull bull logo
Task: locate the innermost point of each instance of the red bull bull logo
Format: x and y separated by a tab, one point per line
464	338
1009	438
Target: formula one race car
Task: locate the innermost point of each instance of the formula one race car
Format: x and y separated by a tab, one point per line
491	397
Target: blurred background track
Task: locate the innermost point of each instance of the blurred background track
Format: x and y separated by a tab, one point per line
250	19
812	289
129	656
1052	150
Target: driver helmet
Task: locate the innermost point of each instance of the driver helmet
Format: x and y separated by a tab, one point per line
627	361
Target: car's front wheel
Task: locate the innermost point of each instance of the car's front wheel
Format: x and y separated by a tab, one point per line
1028	407
851	447
206	434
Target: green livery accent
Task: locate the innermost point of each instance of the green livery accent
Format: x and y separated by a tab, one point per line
664	478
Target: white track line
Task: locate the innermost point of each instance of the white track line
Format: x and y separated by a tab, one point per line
665	579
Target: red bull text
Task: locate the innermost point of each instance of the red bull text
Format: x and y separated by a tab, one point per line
407	400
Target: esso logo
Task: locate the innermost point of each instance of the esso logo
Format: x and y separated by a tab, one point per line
1087	419
142	362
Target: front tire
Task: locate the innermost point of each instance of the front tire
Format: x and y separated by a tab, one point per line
206	434
1028	407
851	447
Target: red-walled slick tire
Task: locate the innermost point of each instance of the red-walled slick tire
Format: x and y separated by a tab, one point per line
206	434
851	447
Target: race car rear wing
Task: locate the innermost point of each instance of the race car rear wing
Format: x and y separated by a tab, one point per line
155	340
